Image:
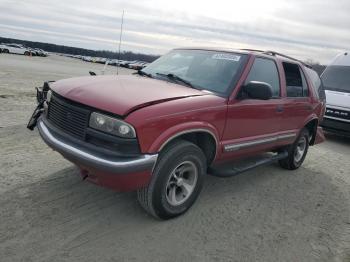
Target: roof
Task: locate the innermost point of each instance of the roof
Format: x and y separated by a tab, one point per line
342	59
249	51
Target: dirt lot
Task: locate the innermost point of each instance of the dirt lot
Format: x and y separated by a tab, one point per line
48	214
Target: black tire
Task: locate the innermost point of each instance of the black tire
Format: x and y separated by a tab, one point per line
26	53
155	197
5	51
295	159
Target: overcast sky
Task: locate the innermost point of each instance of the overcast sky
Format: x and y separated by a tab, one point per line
315	29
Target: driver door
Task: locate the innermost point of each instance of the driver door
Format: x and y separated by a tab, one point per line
252	124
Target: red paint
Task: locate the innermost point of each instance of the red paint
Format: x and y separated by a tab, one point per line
120	94
160	110
118	182
319	136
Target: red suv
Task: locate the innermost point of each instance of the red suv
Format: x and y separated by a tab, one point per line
189	113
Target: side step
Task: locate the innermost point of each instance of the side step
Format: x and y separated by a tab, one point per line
241	166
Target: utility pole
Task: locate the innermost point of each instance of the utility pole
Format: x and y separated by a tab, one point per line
120	40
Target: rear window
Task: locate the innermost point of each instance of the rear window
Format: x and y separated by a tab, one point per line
316	83
337	78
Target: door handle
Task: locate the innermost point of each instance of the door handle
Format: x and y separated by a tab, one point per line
279	109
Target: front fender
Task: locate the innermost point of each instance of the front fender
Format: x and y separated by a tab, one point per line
184	128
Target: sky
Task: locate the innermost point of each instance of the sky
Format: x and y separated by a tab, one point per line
305	29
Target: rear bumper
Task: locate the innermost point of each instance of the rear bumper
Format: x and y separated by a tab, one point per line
132	172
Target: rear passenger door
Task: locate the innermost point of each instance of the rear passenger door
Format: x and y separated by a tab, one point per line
297	106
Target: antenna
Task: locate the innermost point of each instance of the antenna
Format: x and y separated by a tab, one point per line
120	40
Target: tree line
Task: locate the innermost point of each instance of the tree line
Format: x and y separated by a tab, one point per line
125	55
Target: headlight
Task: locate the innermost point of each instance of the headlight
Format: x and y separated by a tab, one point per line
111	125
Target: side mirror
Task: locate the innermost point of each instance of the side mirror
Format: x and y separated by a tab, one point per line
258	90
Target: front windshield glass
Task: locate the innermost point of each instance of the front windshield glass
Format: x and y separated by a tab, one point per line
337	78
214	71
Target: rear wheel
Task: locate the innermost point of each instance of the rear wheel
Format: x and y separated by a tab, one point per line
6	51
26	53
297	151
176	182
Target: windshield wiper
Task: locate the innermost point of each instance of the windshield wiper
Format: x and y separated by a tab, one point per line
142	73
177	78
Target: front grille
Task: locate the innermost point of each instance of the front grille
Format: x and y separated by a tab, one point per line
332	112
68	116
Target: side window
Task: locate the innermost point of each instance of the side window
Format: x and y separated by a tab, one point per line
265	70
295	81
316	84
305	87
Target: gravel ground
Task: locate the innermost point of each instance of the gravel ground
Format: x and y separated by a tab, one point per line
48	214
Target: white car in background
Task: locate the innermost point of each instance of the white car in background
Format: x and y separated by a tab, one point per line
39	52
87	58
15	49
336	81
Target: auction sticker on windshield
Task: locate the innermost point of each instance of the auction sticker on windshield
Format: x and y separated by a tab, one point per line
226	57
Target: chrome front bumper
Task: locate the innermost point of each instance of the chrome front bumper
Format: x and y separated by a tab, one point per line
82	156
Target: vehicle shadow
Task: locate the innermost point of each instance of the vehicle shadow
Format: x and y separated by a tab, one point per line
338	138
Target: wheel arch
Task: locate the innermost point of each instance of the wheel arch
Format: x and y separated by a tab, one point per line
204	136
311	125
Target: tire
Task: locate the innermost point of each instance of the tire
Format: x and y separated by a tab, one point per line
180	165
26	53
297	151
6	51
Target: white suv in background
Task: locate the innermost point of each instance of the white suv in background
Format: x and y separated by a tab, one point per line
15	49
336	80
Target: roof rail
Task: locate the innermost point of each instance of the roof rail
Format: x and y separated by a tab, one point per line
273	53
288	57
253	50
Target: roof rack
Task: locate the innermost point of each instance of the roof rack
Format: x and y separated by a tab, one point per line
288	57
273	53
253	50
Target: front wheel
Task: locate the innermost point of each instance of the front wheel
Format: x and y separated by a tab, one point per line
297	151
176	182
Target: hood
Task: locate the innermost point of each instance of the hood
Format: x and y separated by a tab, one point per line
120	94
340	99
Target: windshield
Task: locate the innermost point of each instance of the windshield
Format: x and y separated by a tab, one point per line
210	70
337	78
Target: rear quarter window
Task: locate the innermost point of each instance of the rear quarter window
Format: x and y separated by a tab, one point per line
316	84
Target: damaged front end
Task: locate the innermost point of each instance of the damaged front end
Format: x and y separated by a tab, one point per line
41	96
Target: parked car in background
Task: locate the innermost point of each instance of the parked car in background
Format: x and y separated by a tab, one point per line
126	63
336	80
137	65
2	46
101	60
189	113
15	49
87	58
113	62
39	52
